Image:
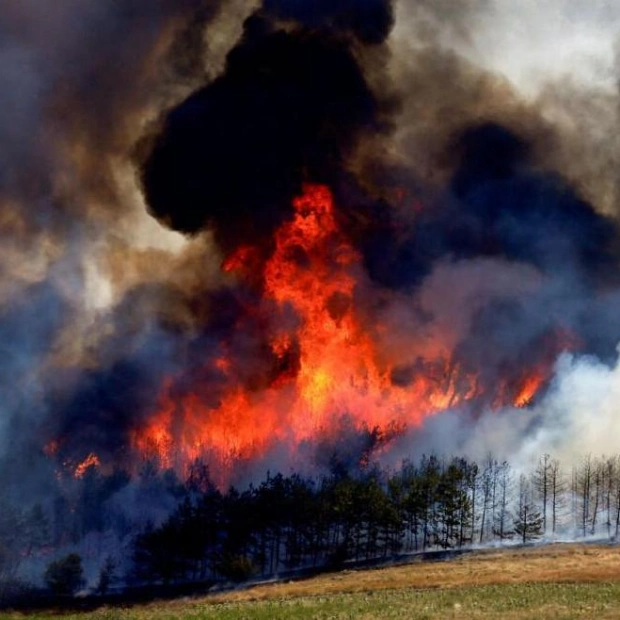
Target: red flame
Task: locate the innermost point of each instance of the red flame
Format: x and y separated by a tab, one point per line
315	272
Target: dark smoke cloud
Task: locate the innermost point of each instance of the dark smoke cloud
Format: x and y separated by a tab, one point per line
499	203
502	206
288	108
528	215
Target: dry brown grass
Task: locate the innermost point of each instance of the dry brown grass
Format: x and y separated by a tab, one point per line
567	582
546	564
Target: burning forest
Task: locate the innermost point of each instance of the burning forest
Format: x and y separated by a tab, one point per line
246	237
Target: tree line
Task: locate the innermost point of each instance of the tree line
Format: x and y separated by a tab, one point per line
196	532
294	522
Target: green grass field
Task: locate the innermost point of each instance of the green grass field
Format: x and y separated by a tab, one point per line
572	582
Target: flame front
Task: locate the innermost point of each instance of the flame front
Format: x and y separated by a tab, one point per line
328	365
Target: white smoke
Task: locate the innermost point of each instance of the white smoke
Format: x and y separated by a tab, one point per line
530	42
534	42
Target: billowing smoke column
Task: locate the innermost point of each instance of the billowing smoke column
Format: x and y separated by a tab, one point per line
357	243
290	106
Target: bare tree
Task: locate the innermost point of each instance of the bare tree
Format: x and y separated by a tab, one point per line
473	480
597	493
608	467
583	476
528	521
557	489
541	483
488	490
502	528
616	495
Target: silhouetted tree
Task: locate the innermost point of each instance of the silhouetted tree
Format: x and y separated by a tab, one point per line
107	575
65	576
35	530
156	557
11	539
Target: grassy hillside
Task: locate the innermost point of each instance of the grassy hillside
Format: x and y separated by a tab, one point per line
556	581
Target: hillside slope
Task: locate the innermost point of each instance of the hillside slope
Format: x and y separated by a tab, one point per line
560	581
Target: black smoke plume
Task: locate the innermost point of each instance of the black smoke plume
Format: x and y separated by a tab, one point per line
289	108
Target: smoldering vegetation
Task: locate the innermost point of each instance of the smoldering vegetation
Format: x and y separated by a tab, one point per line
145	143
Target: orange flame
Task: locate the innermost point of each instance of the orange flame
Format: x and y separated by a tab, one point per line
529	389
92	460
317	273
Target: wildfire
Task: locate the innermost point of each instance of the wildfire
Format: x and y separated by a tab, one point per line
528	389
329	363
92	460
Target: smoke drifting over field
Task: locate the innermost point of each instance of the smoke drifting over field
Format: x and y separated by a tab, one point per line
265	234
